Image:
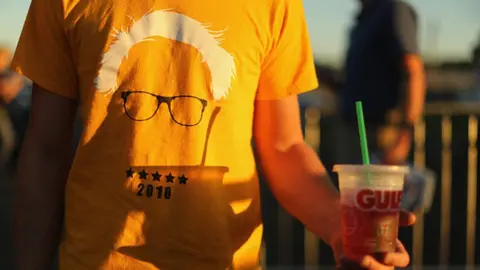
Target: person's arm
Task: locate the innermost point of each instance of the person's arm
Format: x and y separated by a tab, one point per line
295	174
413	101
406	28
293	170
43	168
10	86
44	55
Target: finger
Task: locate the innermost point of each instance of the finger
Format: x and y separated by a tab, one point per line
400	247
407	218
368	262
399	258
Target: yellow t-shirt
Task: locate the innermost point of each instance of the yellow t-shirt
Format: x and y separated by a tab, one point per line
164	176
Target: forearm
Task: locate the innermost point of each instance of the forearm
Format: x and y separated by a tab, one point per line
415	101
38	204
302	186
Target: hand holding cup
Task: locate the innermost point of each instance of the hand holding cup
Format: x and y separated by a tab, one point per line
400	258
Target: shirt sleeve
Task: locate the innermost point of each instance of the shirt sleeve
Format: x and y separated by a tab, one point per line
406	27
43	52
288	67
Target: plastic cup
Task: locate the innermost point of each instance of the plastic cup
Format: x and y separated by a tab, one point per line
371	198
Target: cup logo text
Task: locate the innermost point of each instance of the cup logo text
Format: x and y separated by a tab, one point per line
380	200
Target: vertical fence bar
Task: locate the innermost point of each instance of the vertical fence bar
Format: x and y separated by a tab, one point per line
418	228
446	191
285	238
312	137
263	256
472	190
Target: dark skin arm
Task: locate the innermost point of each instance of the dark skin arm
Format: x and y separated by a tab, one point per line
10	86
43	168
406	28
414	105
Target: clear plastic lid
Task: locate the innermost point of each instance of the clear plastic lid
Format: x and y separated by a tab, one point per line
348	168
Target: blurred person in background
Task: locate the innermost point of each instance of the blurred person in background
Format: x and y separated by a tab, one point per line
140	72
7	137
384	70
14	99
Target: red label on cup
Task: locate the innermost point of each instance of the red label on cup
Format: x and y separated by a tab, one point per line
378	200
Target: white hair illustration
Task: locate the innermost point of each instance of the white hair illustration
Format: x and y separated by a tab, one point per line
173	26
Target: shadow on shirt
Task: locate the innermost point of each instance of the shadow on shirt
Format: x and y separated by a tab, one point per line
166	217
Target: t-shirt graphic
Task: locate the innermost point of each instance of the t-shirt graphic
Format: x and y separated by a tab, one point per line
164	175
174	26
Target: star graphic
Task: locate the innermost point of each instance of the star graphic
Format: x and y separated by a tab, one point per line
170	178
156	176
183	179
130	173
143	174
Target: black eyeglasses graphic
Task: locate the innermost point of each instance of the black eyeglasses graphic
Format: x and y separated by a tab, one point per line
184	110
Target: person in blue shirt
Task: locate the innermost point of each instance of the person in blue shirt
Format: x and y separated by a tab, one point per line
385	71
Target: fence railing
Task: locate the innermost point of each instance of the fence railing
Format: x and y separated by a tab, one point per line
441	114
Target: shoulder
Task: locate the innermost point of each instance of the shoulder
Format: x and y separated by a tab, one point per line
284	6
402	7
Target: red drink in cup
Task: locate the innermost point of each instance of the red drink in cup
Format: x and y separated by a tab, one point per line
370	204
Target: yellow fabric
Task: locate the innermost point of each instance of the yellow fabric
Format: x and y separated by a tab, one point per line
153	186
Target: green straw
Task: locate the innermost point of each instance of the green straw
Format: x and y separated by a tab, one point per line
363	141
363	136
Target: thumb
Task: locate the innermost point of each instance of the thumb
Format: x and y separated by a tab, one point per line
407	218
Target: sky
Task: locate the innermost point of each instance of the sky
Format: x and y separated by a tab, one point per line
448	28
